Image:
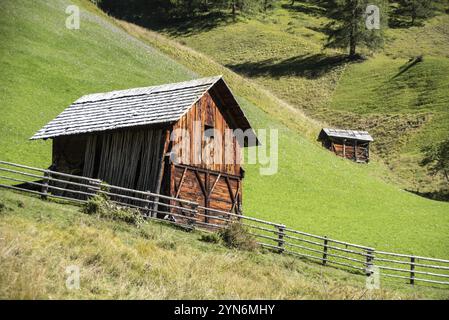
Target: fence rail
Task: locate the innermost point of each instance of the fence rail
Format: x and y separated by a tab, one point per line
272	236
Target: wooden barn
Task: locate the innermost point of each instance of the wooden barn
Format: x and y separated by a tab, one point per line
127	138
348	144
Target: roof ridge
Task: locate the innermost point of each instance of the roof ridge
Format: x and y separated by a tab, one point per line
140	91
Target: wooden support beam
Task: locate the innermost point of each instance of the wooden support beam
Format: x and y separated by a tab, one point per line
228	183
161	169
181	181
203	188
214	184
235	197
223	174
206	187
367	153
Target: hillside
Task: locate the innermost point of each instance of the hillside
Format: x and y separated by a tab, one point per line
39	240
404	106
48	66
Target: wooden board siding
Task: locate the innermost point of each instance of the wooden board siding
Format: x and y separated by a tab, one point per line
207	113
130	159
341	150
209	189
353	150
206	175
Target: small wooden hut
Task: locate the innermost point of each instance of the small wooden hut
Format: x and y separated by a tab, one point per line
348	144
125	138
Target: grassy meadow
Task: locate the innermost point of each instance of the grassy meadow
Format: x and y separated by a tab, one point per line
49	66
40	239
46	67
404	106
314	190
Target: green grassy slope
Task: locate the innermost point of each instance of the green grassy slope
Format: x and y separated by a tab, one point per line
283	52
39	240
45	67
316	191
405	105
49	66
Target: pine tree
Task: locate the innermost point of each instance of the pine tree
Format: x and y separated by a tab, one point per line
418	9
349	29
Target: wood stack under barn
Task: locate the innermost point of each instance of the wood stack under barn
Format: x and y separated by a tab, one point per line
125	138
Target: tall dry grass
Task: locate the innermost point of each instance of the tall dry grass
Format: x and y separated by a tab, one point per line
41	239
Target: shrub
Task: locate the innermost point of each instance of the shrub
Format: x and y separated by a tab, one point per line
236	236
95	204
101	205
210	237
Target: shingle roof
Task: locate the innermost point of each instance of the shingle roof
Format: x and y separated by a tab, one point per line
347	134
133	107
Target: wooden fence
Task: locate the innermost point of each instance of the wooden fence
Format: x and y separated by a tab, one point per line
275	237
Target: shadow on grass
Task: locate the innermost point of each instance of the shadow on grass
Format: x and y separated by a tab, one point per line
399	23
400	20
311	66
306	8
442	195
188	26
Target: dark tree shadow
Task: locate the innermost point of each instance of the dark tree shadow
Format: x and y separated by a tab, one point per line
324	29
398	23
308	9
191	25
307	66
435	195
399	19
160	15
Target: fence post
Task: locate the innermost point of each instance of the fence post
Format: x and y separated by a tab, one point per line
155	207
45	185
147	210
412	270
369	261
190	221
325	250
281	233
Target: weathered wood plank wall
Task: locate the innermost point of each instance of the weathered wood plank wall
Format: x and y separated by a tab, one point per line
206	113
210	174
130	159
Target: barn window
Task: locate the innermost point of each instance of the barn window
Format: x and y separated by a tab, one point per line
208	132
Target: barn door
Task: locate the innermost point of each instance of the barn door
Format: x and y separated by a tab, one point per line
209	189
